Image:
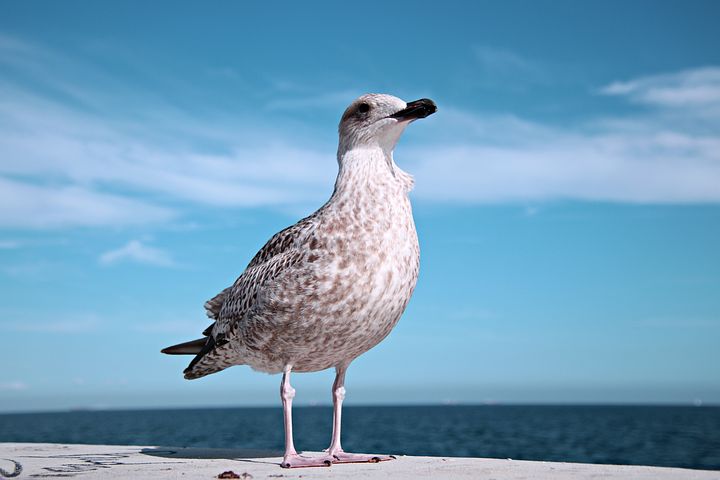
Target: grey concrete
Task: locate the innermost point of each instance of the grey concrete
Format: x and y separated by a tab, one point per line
40	460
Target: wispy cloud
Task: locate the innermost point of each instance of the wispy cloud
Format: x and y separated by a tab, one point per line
501	68
23	204
697	88
500	60
136	251
671	156
65	161
14	386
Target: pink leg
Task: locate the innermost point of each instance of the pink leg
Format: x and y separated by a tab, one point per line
291	458
335	450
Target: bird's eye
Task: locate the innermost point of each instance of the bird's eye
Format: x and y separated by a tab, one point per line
363	108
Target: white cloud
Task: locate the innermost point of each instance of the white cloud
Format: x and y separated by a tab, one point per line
689	88
499	60
13	386
136	251
660	158
75	163
48	139
48	206
66	161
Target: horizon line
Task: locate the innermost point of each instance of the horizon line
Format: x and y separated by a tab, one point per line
669	404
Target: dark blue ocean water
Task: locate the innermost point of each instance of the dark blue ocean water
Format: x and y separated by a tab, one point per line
666	436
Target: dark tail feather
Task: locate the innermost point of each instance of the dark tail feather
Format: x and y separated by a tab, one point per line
188	348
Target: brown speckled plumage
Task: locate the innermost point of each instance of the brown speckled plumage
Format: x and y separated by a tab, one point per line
332	286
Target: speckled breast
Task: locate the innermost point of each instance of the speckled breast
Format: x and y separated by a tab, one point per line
359	270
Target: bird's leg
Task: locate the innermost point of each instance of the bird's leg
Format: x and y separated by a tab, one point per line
335	450
338	393
291	459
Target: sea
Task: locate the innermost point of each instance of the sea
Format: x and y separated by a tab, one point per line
671	436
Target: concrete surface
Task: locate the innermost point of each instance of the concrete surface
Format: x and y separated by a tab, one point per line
41	460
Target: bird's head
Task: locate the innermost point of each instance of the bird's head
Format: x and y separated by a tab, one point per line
376	120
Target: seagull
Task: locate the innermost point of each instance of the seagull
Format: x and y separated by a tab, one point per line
324	291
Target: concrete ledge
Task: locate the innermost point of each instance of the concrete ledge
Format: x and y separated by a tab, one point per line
41	460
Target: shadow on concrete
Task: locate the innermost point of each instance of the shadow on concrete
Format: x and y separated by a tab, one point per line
241	455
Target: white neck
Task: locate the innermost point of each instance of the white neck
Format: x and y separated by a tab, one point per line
370	168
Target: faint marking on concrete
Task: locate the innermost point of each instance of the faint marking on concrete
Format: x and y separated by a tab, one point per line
87	463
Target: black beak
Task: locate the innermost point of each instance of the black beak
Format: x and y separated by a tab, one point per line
417	109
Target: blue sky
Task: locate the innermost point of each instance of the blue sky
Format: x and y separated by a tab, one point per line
567	193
